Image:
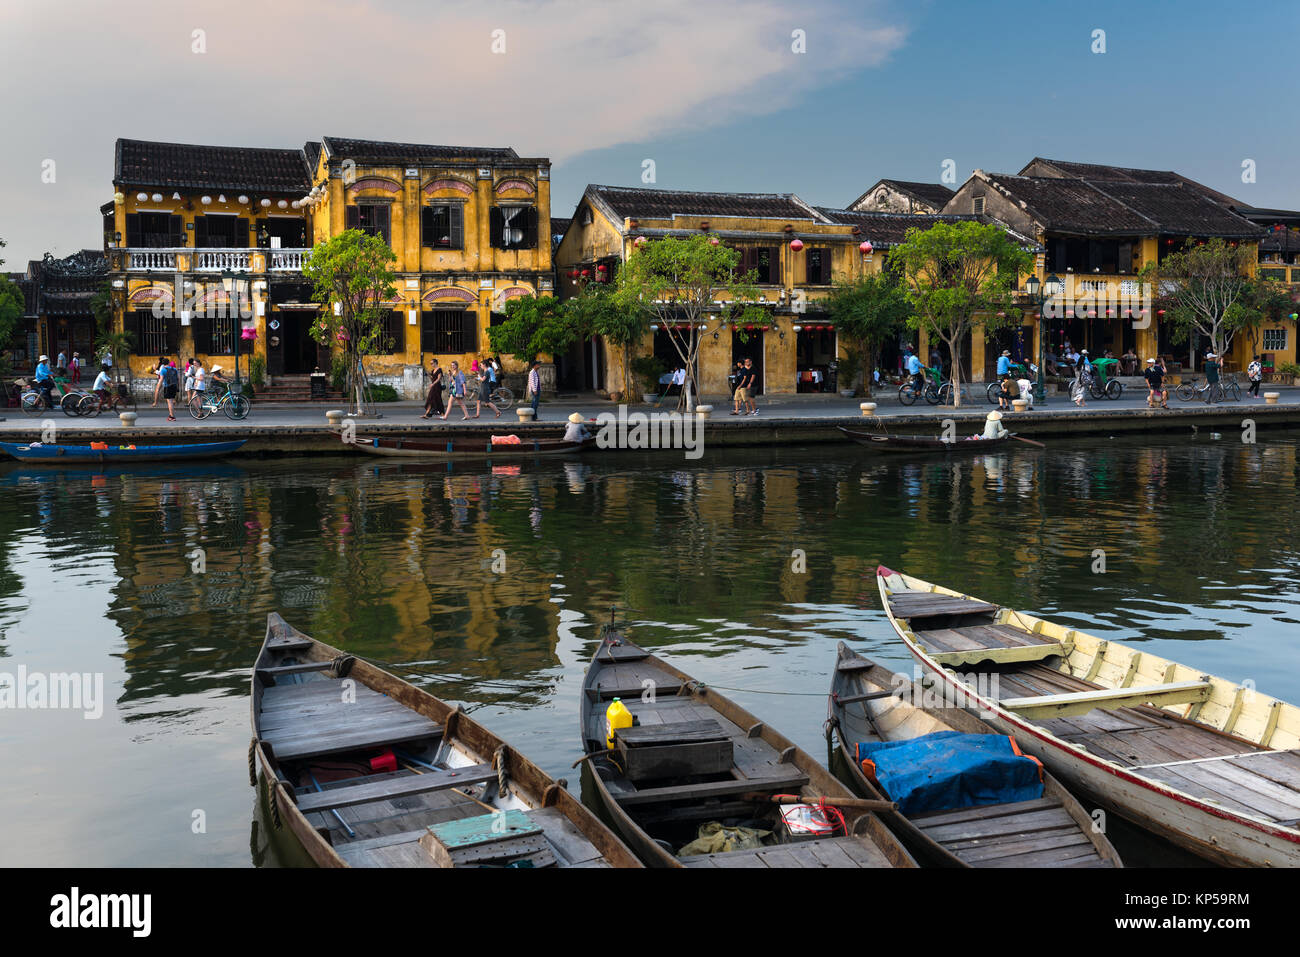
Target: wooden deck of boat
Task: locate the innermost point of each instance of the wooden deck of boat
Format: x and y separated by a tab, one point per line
1220	768
830	852
1038	833
314	718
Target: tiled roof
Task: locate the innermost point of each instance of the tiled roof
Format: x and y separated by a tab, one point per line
1100	173
183	166
311	151
886	229
1121	207
936	194
377	151
622	202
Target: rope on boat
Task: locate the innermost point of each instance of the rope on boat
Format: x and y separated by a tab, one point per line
252	762
499	762
796	694
342	665
274	803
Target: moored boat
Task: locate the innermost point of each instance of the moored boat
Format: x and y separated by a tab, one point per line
698	773
105	452
467	447
987	812
367	770
885	442
1209	764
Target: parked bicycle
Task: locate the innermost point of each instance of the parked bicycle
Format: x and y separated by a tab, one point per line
502	398
1018	371
1105	383
934	391
1203	391
234	404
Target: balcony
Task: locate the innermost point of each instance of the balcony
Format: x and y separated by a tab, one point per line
183	259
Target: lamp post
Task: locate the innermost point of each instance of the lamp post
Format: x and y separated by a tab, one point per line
1051	288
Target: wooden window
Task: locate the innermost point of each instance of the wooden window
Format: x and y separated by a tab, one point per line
977	205
371	218
292	233
451	331
153	230
513	227
152	335
215	231
393	338
1274	340
443	227
819	267
765	261
215	335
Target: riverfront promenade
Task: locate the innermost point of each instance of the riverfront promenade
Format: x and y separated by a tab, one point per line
784	420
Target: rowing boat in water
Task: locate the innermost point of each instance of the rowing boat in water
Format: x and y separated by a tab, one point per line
462	447
883	442
697	769
369	771
869	703
1206	763
116	454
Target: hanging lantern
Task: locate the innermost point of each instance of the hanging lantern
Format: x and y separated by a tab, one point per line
206	200
865	248
221	198
243	200
797	328
295	204
713	241
573	274
157	197
586	273
602	267
141	197
266	203
796	244
176	196
283	204
119	197
639	241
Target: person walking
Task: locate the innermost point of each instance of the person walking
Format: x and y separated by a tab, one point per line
433	401
158	386
1079	387
74	368
1255	373
1155	376
483	391
737	374
1211	377
750	381
456	382
200	380
188	391
170	380
535	385
62	364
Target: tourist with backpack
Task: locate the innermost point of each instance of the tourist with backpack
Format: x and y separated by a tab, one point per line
171	384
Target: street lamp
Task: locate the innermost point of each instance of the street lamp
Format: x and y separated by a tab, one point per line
1053	287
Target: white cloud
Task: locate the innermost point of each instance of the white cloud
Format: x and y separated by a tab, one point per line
576	76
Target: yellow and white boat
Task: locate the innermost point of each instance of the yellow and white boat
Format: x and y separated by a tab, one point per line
1212	765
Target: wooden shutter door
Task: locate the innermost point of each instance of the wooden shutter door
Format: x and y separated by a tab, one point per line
176	229
201	329
133	236
351	217
457	216
774	265
427	237
241	234
496	223
200	232
173	333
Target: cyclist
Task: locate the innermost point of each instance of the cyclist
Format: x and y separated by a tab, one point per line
912	364
45	380
219	381
101	386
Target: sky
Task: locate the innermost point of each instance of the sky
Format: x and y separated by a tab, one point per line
816	97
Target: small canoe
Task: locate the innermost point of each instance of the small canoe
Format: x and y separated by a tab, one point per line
697	764
367	770
882	442
118	454
870	703
462	447
1206	763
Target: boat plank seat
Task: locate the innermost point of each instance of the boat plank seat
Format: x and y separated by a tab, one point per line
363	793
909	604
307	735
1037	833
792	780
621	652
288	643
1080	702
969	644
677	732
831	852
274	671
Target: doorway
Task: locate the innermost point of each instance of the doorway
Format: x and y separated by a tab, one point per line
753	349
290	349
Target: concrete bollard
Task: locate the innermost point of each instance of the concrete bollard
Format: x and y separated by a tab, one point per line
1270	398
525	413
868	408
127	418
1019	405
704	411
335	417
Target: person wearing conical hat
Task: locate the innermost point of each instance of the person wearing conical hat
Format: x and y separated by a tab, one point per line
576	431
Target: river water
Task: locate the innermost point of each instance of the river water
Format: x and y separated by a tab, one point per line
486	586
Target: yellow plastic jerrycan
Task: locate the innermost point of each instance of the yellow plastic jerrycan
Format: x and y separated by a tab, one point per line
616	716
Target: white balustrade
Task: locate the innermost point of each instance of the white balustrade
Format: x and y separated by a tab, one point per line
151	260
219	260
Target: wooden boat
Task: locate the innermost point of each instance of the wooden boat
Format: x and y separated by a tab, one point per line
1210	765
868	702
883	442
463	447
117	454
697	757
369	771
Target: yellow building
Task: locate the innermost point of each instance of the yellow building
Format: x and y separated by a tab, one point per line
206	247
797	251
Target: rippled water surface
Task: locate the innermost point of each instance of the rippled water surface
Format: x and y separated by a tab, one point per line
99	573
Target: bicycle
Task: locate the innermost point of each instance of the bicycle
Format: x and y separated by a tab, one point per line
232	403
33	403
1018	371
92	405
934	391
502	398
1228	388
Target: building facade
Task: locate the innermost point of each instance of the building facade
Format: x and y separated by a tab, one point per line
206	246
903	196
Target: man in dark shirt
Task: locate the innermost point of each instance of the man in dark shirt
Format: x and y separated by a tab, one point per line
1155	376
1211	377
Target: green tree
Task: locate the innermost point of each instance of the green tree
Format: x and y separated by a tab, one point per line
352	273
533	324
12	307
1263	300
678	282
1206	288
955	272
598	310
867	311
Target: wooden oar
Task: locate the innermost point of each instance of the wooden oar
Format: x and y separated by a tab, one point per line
1028	441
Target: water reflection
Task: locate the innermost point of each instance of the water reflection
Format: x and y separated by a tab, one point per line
484	583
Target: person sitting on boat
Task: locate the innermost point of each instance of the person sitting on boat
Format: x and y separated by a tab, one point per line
576	431
993	426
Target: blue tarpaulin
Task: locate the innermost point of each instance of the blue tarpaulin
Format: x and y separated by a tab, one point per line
948	770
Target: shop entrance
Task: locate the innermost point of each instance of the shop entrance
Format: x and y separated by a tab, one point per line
290	349
753	349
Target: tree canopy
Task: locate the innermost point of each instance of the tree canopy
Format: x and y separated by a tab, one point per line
867	311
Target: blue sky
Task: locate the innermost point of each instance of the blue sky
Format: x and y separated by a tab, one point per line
712	92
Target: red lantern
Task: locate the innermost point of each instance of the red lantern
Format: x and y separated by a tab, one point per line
796	244
601	267
713	241
586	273
865	248
574	274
